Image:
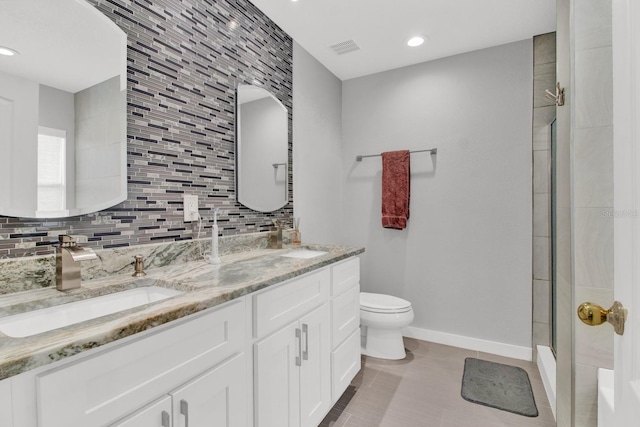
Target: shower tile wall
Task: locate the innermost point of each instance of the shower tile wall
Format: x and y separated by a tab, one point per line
592	159
544	111
184	60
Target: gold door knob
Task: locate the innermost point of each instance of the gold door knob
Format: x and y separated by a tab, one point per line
594	315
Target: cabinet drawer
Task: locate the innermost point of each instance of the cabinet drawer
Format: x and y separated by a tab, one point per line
281	305
345	315
345	364
345	275
108	385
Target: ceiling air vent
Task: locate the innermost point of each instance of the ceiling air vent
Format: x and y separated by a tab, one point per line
345	47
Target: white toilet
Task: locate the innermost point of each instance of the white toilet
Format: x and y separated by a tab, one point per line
382	318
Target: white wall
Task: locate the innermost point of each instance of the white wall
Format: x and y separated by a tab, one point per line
317	155
464	260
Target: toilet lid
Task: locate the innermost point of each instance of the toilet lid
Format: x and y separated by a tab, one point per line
381	302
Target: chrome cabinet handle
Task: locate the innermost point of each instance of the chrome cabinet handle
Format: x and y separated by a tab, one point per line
299	356
305	331
166	421
184	410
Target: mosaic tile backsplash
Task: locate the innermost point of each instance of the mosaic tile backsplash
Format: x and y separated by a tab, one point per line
185	59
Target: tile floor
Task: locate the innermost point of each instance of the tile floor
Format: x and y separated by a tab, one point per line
424	390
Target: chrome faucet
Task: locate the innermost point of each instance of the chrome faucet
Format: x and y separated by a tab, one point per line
275	237
68	258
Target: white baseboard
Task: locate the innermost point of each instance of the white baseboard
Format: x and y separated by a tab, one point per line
501	349
547	367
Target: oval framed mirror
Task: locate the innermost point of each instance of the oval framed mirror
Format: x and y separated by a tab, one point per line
262	154
63	109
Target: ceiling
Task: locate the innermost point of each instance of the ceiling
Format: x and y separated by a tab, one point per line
381	28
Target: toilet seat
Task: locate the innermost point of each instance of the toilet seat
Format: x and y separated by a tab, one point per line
380	303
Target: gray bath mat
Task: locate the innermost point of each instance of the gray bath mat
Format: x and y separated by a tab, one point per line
498	386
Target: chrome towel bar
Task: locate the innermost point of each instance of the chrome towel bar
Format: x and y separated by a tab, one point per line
360	157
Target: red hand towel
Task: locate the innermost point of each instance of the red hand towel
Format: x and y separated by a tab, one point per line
395	189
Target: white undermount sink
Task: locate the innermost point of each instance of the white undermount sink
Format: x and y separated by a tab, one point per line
48	319
303	254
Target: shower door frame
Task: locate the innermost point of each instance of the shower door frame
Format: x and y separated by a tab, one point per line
552	241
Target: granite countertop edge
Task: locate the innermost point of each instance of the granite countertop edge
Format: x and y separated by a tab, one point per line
19	355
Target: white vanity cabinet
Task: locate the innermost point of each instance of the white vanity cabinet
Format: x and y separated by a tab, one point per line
308	345
291	365
279	357
201	359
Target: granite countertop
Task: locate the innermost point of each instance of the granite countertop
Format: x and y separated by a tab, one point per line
204	285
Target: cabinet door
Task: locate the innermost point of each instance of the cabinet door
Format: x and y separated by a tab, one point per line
277	379
157	414
315	374
215	398
6	410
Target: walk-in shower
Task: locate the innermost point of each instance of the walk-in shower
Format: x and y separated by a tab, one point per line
546	352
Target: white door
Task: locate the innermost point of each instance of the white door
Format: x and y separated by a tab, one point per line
215	398
626	116
277	379
315	375
155	414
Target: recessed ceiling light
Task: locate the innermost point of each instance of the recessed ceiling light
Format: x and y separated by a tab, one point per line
415	41
7	51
